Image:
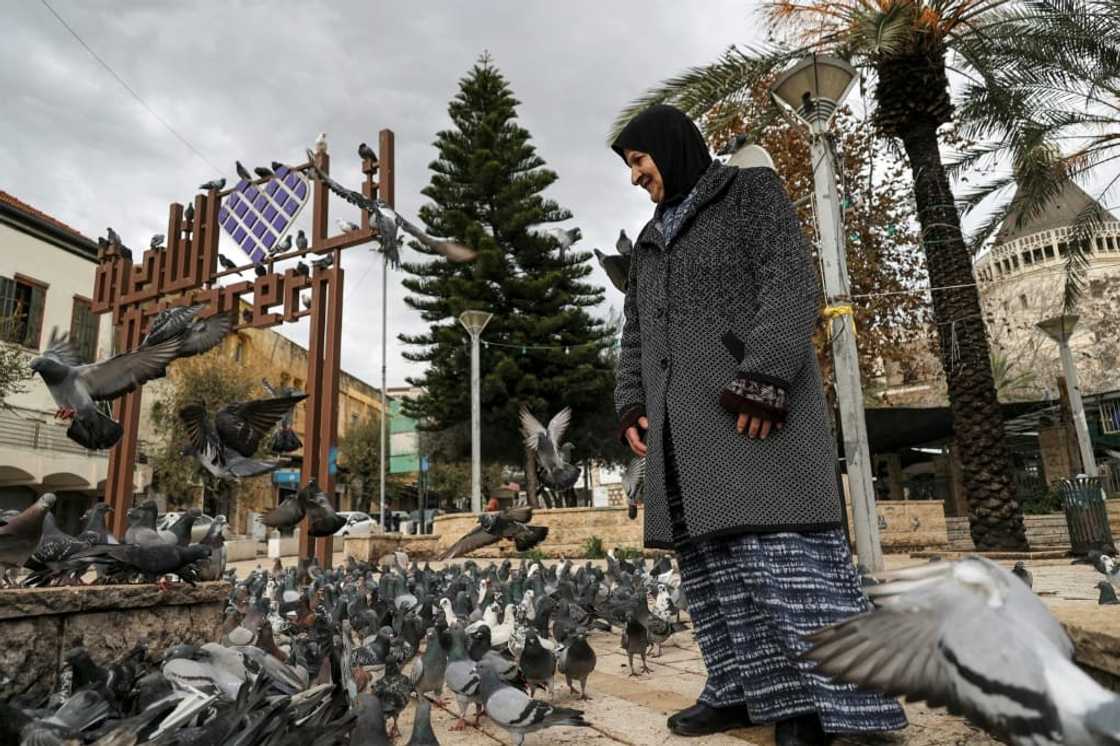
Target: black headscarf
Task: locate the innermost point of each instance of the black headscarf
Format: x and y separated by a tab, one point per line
674	143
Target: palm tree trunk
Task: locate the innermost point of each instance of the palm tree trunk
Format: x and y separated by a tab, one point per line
995	516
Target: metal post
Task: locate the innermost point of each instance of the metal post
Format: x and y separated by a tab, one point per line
849	391
384	396
1060	329
474	322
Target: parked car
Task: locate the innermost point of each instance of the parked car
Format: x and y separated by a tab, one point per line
198	530
357	523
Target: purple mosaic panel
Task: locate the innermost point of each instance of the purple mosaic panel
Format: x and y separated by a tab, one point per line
257	217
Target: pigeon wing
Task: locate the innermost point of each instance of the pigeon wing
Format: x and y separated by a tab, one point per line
450	250
198	427
531	429
241	425
475	539
512	708
122	373
635	473
558	425
519	513
61	349
355	198
206	334
168	323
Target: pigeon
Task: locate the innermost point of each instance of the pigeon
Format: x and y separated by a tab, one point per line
264	172
282	246
635	641
151	561
188	214
225	446
514	711
277	165
323	263
113	236
53	559
218	184
242	425
537	663
429	669
215	566
422	733
347	226
291	510
565	237
624	245
1020	571
243	172
322	520
301	240
1108	594
259	270
77	388
388	221
633	481
968	635
576	660
321	143
369	727
227	264
303	269
512	523
156	242
96	531
284	440
181	528
198	335
305	301
617	268
558	472
142	527
365	152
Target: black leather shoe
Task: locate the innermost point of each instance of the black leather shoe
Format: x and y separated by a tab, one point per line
704	720
803	730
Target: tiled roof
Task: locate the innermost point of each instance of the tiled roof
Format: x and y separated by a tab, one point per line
21	206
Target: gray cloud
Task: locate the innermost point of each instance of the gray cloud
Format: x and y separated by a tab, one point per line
257	81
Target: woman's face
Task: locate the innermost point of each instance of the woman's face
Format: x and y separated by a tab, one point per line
644	173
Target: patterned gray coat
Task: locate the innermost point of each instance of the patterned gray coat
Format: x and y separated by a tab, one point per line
718	319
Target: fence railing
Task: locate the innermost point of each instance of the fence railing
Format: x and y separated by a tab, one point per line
26	428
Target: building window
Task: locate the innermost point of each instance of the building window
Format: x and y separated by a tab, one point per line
1023	301
1111	244
22	301
83	330
1015	262
1063	248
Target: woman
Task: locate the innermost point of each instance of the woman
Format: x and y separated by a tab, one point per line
718	387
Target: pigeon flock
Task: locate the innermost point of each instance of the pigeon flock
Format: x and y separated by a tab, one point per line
314	656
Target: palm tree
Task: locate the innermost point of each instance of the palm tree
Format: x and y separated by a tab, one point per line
908	48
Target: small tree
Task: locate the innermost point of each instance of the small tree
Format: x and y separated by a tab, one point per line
360	452
14	372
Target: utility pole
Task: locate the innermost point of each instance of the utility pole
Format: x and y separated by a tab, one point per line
1060	329
812	90
384	378
474	322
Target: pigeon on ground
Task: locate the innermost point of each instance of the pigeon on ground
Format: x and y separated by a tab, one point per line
213	184
1020	571
156	242
537	663
388	221
152	561
301	240
969	635
512	523
422	733
264	172
1108	594
286	515
322	520
198	335
347	226
514	711
624	245
77	388
553	457
617	268
54	557
365	152
242	171
429	669
633	482
576	660
227	264
635	641
369	727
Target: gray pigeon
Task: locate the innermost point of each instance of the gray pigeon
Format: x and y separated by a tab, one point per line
633	482
141	528
242	171
264	172
96	532
225	446
516	712
151	561
215	566
77	388
422	734
546	442
198	335
282	246
156	242
188	214
369	727
301	240
624	245
365	152
538	664
1108	594
429	669
576	660
54	557
970	636
213	184
20	534
565	237
617	268
1020	571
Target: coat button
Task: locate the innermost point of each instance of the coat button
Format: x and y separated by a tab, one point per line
664	363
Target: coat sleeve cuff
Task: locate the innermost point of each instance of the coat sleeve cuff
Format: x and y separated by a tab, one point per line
757	398
628	419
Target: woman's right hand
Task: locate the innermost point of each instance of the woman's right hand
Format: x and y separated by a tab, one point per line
634	438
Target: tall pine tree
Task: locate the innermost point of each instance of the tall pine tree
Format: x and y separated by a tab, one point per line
541	348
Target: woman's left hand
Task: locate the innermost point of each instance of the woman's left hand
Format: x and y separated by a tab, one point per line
756	427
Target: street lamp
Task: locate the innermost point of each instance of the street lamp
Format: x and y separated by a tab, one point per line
810	92
474	322
1060	329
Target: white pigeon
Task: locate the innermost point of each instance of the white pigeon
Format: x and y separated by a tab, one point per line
346	226
514	711
489	619
500	634
321	143
970	636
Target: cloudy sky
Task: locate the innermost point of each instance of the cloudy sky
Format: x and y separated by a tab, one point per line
257	81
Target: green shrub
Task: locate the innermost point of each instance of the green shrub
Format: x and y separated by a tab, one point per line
1045	502
593	548
533	555
627	553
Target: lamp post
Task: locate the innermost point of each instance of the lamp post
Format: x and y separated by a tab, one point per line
474	322
1060	329
811	91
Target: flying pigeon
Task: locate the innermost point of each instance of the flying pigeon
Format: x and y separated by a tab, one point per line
20	534
623	245
546	442
156	242
284	440
633	481
565	237
301	240
264	173
617	268
225	447
291	510
197	335
77	388
512	523
347	226
218	184
243	172
322	520
970	636
366	152
227	264
388	220
514	711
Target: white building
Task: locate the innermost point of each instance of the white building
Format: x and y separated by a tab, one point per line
46	279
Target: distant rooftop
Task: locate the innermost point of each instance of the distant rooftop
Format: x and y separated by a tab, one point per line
1062	212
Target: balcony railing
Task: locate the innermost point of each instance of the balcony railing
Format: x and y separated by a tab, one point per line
25	428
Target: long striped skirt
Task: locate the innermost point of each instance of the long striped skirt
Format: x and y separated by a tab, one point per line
752	599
